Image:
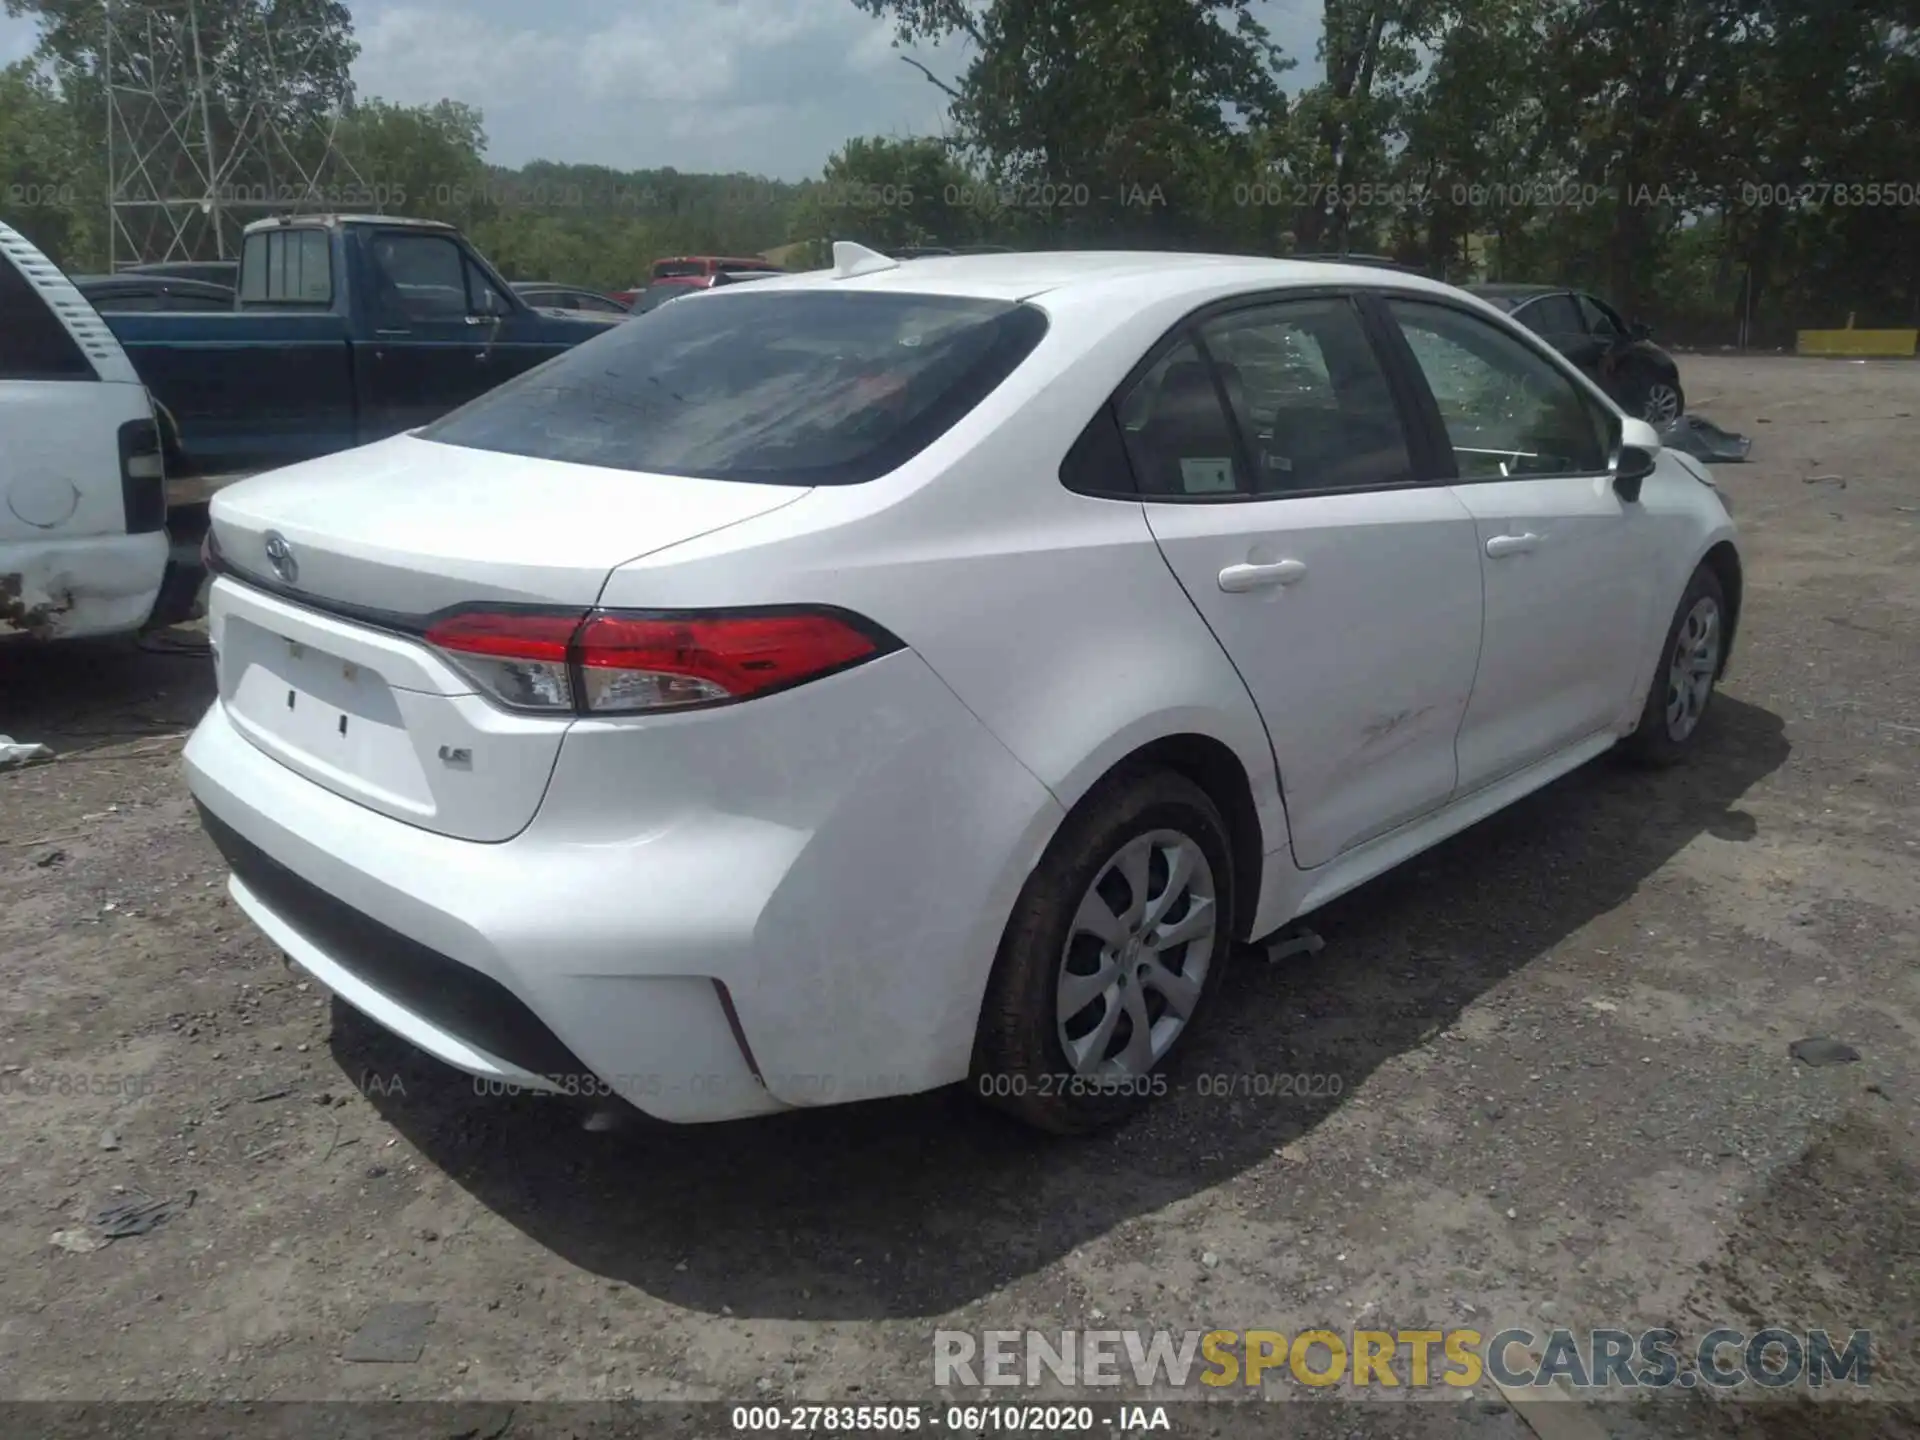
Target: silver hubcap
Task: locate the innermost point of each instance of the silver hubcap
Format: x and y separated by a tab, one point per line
1663	405
1136	956
1696	660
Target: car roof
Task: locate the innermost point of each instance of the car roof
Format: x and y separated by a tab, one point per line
180	270
149	277
1022	275
1516	292
290	222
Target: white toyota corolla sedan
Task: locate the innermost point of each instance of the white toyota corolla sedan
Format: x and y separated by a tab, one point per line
904	674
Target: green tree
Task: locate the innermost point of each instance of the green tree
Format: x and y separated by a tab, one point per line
426	161
1130	120
259	81
50	189
892	193
1345	125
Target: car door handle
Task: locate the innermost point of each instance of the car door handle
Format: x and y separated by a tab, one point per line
1238	579
1511	544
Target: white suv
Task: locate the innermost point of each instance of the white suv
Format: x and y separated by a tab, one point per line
83	506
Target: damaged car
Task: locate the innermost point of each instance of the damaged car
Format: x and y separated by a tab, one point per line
911	674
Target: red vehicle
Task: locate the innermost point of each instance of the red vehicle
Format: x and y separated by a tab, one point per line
696	271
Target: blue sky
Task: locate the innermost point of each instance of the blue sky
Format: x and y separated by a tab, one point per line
768	87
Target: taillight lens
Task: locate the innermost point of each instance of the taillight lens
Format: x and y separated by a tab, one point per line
612	662
518	657
143	477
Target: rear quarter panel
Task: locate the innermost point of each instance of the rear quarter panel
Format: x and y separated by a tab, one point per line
1051	615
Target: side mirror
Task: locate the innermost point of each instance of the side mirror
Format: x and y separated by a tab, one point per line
1639	330
1635	459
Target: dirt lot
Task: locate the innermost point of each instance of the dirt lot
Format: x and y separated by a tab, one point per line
1562	1042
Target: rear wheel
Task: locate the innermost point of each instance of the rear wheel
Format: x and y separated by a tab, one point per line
1114	950
1689	666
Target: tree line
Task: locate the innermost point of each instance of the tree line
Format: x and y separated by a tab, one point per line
1730	169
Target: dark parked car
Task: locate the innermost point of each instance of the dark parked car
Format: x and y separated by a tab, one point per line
130	290
575	299
1639	375
219	272
661	291
1377	262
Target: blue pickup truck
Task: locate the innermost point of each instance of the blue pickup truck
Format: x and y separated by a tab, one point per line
345	329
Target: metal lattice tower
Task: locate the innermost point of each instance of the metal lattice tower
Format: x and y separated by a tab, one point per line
199	145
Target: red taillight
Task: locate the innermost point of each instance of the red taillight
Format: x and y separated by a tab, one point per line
639	662
610	662
519	657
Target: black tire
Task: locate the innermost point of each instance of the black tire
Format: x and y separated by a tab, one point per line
1636	394
1019	1062
1654	741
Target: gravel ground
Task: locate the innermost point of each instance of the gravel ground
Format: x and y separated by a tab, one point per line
1565	1092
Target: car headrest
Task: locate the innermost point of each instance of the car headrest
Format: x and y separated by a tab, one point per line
1186	396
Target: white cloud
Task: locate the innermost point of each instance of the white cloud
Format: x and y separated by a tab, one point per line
769	87
765	86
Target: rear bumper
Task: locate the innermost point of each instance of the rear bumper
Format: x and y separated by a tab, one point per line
713	916
73	589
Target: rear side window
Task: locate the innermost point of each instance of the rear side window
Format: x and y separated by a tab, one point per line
34	345
287	267
791	388
1180	438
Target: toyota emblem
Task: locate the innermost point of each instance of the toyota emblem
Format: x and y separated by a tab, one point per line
280	556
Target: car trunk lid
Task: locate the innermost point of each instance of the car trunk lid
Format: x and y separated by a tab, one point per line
320	657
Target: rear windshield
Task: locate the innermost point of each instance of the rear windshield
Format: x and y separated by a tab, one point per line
679	267
790	387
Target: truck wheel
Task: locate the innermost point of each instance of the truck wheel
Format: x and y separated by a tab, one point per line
1114	950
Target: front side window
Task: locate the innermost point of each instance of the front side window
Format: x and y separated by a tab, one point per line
1310	397
1507	410
789	388
419	277
287	267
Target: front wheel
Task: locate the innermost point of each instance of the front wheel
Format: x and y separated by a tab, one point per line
1689	667
1655	399
1115	947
